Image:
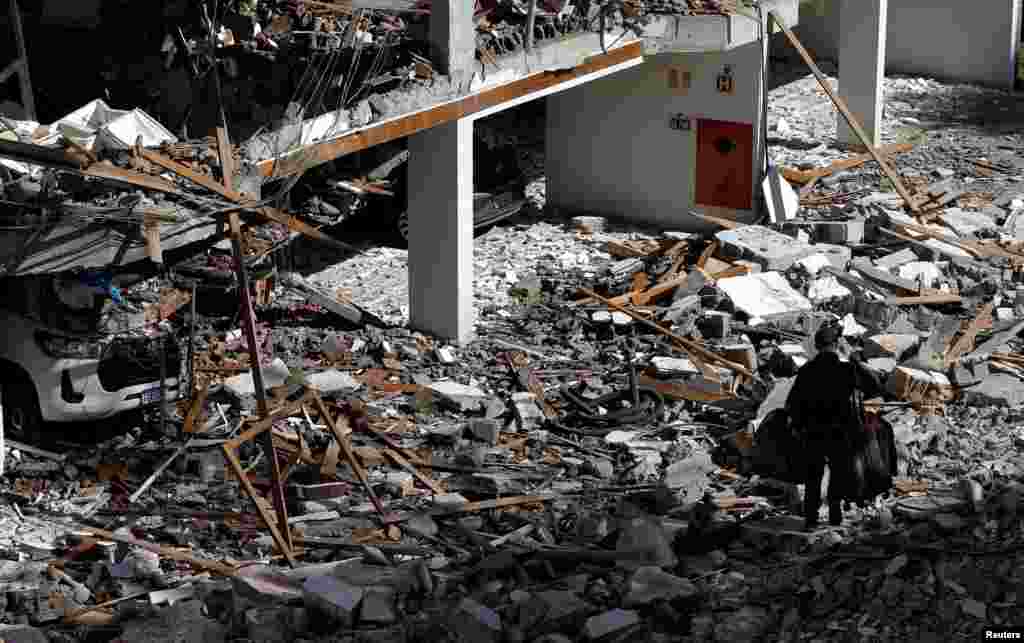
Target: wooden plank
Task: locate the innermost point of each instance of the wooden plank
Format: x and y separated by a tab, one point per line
268	518
195	411
319	153
704	256
687	345
935	299
651	294
484	505
211	566
807	176
113	173
965	343
847	114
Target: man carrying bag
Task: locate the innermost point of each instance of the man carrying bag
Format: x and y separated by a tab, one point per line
827	417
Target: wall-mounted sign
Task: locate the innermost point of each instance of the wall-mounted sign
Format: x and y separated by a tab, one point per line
725	82
680	122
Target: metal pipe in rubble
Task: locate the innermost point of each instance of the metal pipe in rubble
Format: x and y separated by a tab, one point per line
531	17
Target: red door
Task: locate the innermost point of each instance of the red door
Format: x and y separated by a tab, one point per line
725	164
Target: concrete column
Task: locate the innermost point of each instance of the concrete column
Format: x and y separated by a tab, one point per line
862	65
453	39
441	230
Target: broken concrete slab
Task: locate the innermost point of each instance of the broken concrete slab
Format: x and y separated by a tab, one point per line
772	250
673	366
274	374
690	475
764	296
378	606
645	535
896	259
332	381
601	625
896	346
558	609
460	396
839	231
332	598
998	389
649	584
966	224
476	622
527	412
485	430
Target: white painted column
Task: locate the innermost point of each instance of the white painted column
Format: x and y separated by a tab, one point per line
862	65
441	230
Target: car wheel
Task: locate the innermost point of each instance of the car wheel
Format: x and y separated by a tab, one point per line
22	419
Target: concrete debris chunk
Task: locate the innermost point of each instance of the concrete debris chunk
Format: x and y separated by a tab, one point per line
772	250
764	296
649	584
460	396
485	430
332	598
527	412
601	625
476	622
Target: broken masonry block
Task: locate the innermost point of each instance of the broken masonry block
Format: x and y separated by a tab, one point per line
485	430
476	622
839	231
715	324
772	250
528	412
378	607
332	598
602	625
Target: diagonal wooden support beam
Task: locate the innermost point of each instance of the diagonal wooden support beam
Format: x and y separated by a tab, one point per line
848	115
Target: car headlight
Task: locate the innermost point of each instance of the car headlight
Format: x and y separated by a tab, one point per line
65	347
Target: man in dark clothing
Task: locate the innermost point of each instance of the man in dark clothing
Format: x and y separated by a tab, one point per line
823	413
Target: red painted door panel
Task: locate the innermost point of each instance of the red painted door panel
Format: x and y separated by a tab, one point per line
725	164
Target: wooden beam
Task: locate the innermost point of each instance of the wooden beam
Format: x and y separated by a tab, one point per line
965	343
847	115
28	100
691	347
275	529
319	153
293	223
167	552
806	176
934	299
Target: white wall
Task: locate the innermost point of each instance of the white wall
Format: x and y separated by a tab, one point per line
610	150
946	39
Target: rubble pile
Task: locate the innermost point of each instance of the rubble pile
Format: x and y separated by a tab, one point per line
592	467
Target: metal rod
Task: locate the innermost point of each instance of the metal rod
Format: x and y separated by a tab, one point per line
27	98
531	17
191	373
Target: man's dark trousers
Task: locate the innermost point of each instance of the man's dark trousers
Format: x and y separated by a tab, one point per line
825	444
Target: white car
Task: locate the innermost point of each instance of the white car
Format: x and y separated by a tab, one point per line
52	376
